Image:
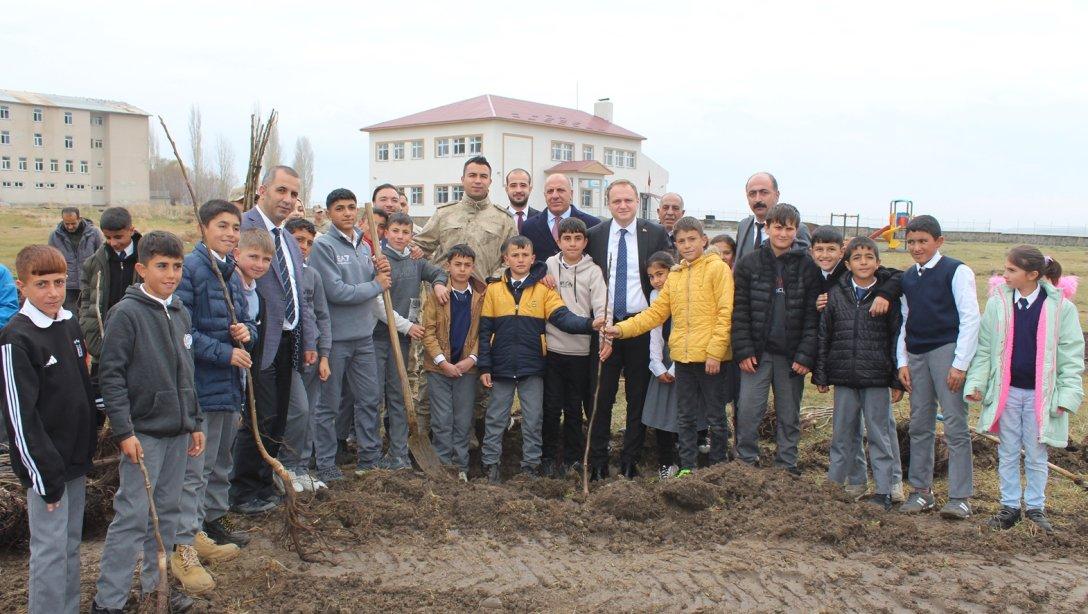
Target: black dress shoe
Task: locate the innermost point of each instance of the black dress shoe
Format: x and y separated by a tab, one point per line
96	609
597	473
493	474
546	468
629	471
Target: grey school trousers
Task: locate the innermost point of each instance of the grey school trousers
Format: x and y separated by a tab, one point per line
774	372
873	407
207	476
53	587
453	404
295	451
131	531
390	387
929	383
355	358
530	392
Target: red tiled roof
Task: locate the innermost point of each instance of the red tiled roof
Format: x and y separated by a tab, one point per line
497	107
591	167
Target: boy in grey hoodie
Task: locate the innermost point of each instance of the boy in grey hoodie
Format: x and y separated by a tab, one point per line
567	380
407	275
352	278
146	377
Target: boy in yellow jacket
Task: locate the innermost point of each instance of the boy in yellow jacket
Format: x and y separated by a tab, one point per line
698	296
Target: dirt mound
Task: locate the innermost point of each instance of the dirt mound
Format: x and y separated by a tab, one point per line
626	500
691	495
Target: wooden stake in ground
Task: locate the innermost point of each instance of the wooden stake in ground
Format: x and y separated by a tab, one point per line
163	591
293	524
1065	473
597	388
418	443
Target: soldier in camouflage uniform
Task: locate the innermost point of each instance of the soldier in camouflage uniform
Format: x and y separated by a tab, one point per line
474	220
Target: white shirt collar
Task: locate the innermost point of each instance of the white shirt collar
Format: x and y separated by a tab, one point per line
518	281
615	228
467	290
514	212
165	304
355	237
856	286
1016	296
125	253
268	222
39	318
562	216
248	287
215	254
932	262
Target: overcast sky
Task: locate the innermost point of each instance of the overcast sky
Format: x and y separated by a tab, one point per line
978	111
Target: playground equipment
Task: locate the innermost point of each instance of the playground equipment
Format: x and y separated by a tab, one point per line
900	212
846	220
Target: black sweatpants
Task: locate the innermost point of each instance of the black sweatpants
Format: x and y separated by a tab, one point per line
629	358
567	393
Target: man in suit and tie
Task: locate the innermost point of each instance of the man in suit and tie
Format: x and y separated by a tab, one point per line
289	340
519	185
669	209
543	230
629	242
762	193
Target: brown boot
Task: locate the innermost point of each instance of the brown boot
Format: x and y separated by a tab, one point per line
186	567
212	552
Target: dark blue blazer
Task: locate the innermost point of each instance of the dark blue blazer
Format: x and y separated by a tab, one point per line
536	230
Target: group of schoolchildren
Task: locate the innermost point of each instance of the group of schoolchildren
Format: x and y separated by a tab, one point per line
168	352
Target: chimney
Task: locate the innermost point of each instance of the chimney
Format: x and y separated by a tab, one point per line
603	109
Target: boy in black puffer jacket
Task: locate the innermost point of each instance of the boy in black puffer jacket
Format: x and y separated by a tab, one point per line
856	354
774	334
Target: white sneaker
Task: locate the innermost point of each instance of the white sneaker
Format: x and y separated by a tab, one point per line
462	477
302	482
319	485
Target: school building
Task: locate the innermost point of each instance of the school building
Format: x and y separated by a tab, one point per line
424	153
66	150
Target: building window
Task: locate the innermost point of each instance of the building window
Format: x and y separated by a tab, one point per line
37	115
562	152
54	166
441	148
37	139
459	146
69	142
69	166
39	184
417	151
587	152
81	186
98	164
5	112
620	158
18	184
5	163
69	186
382	152
415	195
39	164
441	194
99	188
50	185
457	193
587	199
96	120
5	137
398	151
6	184
475	145
68	118
22	164
96	143
84	167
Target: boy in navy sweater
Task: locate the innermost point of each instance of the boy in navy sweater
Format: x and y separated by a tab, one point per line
49	415
936	345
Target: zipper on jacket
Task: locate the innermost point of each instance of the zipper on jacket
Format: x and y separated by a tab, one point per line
687	319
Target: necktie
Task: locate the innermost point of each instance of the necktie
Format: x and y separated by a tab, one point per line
620	291
921	270
759	233
860	293
285	278
521	220
555	229
1023	302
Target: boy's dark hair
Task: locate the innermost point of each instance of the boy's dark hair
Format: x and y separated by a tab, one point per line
39	260
160	243
213	209
65	211
300	223
1029	258
461	249
400	218
116	218
475	160
687	224
724	238
664	259
384	186
516	241
784	214
573	226
340	194
827	234
925	223
855	244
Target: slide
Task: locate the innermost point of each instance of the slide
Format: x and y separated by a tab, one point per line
886	234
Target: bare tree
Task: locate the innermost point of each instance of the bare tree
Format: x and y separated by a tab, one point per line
225	176
197	171
304	164
273	153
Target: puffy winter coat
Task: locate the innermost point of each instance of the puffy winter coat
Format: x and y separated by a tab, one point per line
218	384
436	327
698	296
95	294
1059	361
754	286
854	348
89	242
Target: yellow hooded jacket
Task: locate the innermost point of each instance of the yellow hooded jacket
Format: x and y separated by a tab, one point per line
698	296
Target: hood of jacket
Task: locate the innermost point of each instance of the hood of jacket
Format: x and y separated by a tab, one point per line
537	271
